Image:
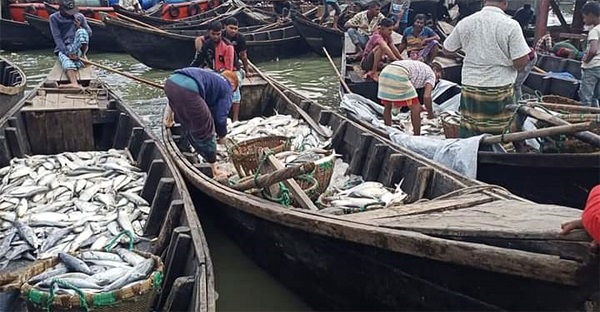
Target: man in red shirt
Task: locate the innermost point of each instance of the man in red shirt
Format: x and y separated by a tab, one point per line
379	48
590	218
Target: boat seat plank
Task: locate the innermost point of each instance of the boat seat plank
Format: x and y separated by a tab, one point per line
58	75
48	100
501	219
51	132
383	215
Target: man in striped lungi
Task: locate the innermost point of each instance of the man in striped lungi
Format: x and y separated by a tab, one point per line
495	51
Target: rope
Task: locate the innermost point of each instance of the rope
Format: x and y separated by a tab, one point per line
285	197
260	164
113	242
63	284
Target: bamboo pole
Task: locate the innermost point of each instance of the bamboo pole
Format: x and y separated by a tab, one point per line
337	71
585	136
557	130
567	107
148	82
276	176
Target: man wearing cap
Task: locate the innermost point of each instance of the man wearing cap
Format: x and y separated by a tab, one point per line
71	33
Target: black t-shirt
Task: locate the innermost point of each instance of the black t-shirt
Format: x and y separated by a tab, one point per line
238	41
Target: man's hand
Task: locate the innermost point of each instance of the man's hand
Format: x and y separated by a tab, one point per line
73	57
567	227
248	73
221	140
169	120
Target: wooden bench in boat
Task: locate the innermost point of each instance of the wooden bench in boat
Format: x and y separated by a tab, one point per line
66	117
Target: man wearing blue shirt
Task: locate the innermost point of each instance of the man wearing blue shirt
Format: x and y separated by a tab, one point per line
200	99
71	33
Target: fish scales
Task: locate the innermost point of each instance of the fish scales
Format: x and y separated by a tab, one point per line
65	202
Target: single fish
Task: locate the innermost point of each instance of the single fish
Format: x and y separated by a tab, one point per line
74	264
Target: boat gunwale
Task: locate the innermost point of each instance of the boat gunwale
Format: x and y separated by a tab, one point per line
13	90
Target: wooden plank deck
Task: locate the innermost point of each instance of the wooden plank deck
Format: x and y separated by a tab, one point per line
58	75
57	99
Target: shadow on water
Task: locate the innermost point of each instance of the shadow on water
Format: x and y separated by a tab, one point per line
241	284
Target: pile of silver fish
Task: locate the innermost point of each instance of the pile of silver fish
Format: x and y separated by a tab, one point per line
95	271
363	196
303	136
64	202
350	193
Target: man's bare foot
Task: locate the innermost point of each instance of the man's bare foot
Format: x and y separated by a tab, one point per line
70	86
371	74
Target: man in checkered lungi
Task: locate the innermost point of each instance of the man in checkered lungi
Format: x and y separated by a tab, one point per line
71	34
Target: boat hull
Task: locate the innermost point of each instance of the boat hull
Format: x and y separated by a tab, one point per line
560	179
172	51
318	37
18	36
333	274
12	85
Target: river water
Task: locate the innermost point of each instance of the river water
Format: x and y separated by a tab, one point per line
242	286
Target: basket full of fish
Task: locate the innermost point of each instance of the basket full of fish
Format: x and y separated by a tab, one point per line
119	280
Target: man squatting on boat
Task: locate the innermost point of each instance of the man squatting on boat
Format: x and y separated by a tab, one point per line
200	100
71	34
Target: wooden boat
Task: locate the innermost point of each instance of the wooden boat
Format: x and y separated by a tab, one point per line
318	36
484	251
12	85
174	11
548	85
20	36
164	50
43	123
158	21
245	16
101	39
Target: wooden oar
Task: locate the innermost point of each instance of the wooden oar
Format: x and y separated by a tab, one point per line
585	136
337	71
311	122
558	130
556	106
139	23
148	82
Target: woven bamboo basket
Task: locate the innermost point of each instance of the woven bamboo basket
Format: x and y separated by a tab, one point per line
246	155
135	298
322	174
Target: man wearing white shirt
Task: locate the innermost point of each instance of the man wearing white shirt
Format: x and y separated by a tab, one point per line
495	50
